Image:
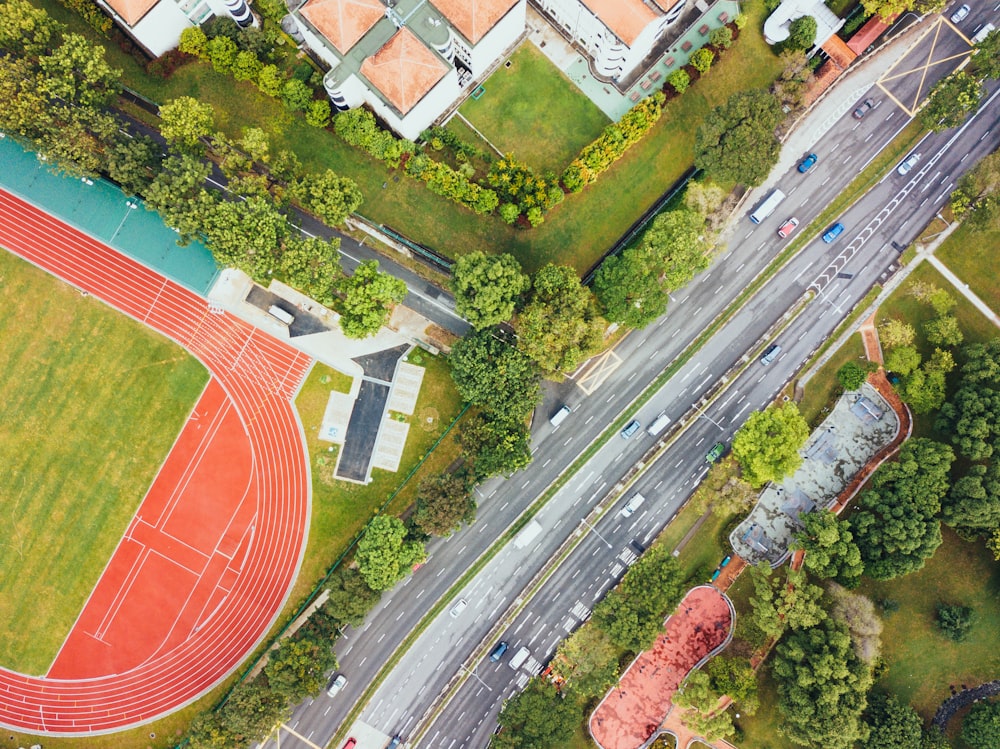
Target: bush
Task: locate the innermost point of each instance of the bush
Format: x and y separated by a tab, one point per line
680	80
193	41
955	621
721	37
247	67
318	114
296	95
702	60
221	53
269	81
852	375
91	13
165	65
357	127
741	21
509	212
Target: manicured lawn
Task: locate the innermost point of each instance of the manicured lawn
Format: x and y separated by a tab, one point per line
922	662
91	403
534	111
823	388
967	253
340	508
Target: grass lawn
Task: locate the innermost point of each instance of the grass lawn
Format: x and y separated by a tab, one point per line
340	508
967	253
91	403
823	388
534	111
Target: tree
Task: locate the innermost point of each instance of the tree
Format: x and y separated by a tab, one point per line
858	614
178	194
738	679
270	80
444	502
680	80
950	101
986	56
972	416
185	121
943	331
25	29
703	196
221	52
369	297
977	197
794	80
902	360
487	287
77	73
495	445
852	375
318	113
831	553
350	597
702	59
311	265
383	553
193	41
924	389
249	715
132	163
801	33
561	325
779	604
696	693
629	290
892	724
537	717
822	687
897	527
767	445
737	142
490	373
297	668
328	196
676	246
895	332
588	661
955	621
973	504
248	235
246	66
296	95
981	727
886	9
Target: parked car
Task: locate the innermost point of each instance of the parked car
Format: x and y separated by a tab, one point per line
788	227
336	685
908	164
716	452
458	608
808	163
961	14
631	428
833	232
863	108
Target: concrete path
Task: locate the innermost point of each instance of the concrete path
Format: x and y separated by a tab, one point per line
963	288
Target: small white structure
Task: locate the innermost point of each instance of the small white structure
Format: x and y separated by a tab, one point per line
156	25
409	60
617	34
776	27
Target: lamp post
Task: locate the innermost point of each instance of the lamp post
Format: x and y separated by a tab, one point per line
132	205
596	532
474	675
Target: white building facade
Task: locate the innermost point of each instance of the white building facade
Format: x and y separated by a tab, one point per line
409	60
617	34
156	25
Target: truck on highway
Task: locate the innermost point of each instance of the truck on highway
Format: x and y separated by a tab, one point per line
519	658
658	425
528	534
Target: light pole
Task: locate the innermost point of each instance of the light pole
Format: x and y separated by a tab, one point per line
132	205
708	418
474	675
596	532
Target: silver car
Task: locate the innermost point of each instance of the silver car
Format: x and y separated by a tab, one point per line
961	14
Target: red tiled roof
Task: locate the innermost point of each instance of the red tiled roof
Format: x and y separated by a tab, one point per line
868	34
404	70
627	18
474	18
132	11
839	51
343	22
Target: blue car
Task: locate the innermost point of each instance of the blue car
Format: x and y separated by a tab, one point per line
833	232
808	163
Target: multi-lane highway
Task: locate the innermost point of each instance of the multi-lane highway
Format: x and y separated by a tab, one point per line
894	211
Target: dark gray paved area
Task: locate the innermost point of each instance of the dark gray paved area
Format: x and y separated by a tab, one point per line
362	431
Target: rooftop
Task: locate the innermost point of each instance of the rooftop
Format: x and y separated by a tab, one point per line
132	10
627	18
343	22
404	70
474	18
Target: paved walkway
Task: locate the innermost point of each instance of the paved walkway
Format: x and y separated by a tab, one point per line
963	288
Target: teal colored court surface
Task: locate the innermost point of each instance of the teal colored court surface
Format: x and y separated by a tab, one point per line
103	211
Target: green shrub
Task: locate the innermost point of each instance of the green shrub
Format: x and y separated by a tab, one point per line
702	60
318	114
721	37
296	95
852	375
221	52
246	66
509	212
680	80
91	13
269	80
193	41
741	21
955	621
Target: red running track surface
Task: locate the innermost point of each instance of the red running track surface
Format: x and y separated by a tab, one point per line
216	543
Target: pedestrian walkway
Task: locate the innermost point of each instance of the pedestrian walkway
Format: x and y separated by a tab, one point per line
962	288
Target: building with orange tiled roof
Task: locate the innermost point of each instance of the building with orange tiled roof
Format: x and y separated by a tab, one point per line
156	25
411	61
617	34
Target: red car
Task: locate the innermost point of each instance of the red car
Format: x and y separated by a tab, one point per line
788	227
351	743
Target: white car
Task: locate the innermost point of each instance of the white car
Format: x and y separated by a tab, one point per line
632	505
336	685
961	14
458	608
907	165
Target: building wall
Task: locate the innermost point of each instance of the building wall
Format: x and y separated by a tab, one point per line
424	112
160	29
498	39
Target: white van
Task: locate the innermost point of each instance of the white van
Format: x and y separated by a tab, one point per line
280	315
632	505
768	207
658	425
519	658
560	416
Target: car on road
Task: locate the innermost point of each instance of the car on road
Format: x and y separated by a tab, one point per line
336	685
864	108
788	227
833	232
631	428
395	742
716	452
351	743
770	354
497	652
961	14
908	164
808	163
458	608
632	505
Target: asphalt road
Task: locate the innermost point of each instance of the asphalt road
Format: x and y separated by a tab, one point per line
413	685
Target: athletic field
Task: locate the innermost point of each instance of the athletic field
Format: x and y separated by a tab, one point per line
90	402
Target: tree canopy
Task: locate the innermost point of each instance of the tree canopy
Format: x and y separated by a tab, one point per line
487	287
830	549
977	197
184	121
329	196
297	668
369	297
383	553
737	141
495	445
536	718
629	289
897	527
767	445
494	375
973	504
822	687
972	415
981	727
892	724
444	502
781	602
588	661
951	100
802	33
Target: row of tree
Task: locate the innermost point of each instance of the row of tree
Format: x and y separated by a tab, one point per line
958	94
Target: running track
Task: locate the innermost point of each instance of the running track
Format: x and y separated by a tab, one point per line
260	376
